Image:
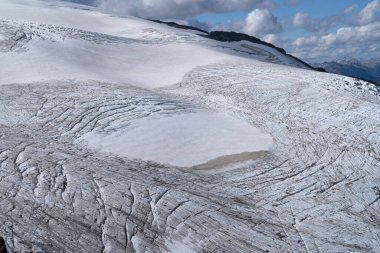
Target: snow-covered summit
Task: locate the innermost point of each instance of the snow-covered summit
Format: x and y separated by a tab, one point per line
368	70
77	43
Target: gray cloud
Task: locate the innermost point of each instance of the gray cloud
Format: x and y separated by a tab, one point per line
174	9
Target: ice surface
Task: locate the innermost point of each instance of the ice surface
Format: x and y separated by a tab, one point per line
132	88
183	140
178	247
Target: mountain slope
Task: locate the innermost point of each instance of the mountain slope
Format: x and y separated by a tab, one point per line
123	135
235	37
366	70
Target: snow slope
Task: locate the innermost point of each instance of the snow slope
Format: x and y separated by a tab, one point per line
73	55
143	53
118	134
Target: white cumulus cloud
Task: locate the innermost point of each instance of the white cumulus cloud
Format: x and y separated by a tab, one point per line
261	23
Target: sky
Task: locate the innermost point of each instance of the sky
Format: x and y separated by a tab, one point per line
313	30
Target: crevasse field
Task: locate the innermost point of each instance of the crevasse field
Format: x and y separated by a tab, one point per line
118	134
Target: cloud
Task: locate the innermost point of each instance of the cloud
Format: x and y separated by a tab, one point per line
370	13
261	23
346	41
273	39
350	9
306	41
304	21
301	19
358	38
180	9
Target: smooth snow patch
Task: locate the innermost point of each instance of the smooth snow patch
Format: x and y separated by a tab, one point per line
184	140
2	37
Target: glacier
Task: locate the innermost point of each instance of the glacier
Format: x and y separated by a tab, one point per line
119	134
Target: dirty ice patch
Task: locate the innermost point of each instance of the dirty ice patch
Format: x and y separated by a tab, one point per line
183	140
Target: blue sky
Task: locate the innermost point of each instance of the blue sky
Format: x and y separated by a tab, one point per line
317	9
286	12
314	30
321	18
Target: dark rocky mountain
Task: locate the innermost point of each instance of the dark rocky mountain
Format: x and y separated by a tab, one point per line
173	24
